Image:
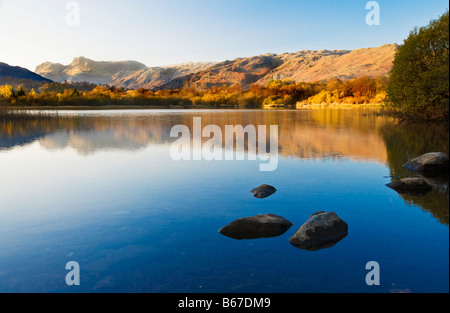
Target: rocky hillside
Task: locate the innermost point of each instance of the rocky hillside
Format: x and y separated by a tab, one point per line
154	77
302	66
129	74
323	65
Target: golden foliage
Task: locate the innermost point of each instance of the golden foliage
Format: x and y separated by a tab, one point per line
275	93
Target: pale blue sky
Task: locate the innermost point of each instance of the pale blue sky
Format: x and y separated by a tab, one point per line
157	32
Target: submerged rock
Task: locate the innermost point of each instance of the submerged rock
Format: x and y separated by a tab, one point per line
414	186
322	230
255	227
430	164
263	191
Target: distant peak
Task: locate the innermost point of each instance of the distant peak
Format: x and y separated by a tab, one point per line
81	59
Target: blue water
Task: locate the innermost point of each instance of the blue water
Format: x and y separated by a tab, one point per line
137	221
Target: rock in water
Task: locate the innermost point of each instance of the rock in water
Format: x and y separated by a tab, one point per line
414	186
322	230
259	226
263	191
430	164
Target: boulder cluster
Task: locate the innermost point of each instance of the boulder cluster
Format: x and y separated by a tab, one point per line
325	229
322	230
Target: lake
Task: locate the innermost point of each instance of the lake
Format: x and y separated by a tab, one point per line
100	188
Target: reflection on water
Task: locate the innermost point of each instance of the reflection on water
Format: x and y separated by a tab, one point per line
405	142
101	189
307	134
312	134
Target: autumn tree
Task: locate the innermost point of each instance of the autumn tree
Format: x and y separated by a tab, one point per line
7	91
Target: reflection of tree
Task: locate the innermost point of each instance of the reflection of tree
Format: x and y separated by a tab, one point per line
435	202
406	141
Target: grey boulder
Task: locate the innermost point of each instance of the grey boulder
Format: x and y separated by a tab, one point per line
255	227
322	230
263	191
430	164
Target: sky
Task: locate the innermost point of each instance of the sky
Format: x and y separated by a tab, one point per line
164	32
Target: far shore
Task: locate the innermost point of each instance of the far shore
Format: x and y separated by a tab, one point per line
298	106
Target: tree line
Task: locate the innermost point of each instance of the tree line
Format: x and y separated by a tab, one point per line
364	90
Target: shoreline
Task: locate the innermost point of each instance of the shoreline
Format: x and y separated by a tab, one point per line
298	106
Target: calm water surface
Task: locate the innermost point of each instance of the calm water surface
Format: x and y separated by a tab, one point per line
101	189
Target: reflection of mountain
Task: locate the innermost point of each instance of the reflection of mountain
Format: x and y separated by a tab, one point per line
86	135
86	142
10	142
23	132
303	134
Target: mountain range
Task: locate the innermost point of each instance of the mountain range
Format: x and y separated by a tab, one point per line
302	66
128	74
